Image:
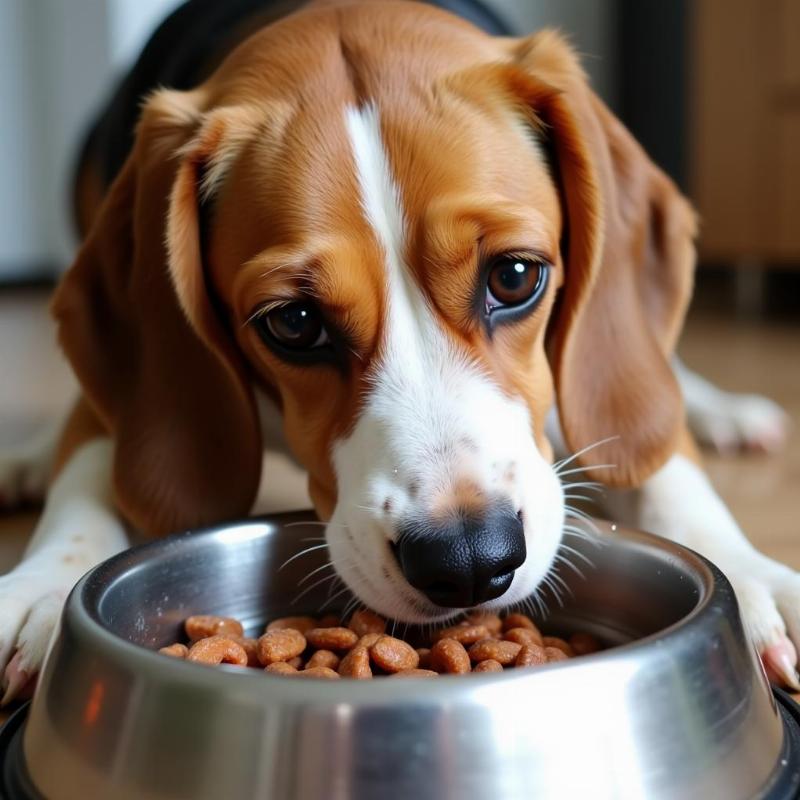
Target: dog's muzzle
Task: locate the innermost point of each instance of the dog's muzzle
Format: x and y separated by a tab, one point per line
464	561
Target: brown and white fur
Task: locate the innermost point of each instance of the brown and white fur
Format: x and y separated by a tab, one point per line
369	157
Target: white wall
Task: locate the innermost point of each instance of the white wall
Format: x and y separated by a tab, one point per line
58	60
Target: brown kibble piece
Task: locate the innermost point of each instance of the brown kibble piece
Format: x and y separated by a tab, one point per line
555	641
296	662
518	621
491	622
280	668
318	672
448	655
364	622
424	654
531	656
280	645
323	658
524	636
415	673
201	626
176	650
584	643
368	639
465	634
250	647
356	664
332	638
217	650
329	621
393	655
301	624
555	654
503	652
490	665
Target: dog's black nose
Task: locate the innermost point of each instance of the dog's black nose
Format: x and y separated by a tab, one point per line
465	562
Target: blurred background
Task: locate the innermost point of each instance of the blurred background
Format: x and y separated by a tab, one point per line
710	87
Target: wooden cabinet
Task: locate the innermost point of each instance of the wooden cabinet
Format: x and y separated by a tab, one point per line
744	128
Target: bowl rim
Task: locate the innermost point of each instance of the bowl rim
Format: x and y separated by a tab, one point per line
79	617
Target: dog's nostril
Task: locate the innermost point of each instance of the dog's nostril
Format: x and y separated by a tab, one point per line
519	515
503	574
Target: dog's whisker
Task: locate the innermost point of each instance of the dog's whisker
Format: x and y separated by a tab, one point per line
564	560
586	469
313	572
579	516
334	596
554	589
555	576
314	585
577	553
580	497
301	553
564	461
591	486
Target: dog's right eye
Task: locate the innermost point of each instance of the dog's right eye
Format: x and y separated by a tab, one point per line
296	327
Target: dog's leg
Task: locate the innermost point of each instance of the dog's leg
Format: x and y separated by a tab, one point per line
728	422
680	503
78	529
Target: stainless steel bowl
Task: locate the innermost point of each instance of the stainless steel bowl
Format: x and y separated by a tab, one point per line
680	710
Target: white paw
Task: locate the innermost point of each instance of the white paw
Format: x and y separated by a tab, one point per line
739	421
30	607
769	602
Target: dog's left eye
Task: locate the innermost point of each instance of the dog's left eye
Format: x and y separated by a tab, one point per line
295	327
514	281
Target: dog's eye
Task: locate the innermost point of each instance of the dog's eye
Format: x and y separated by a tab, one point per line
513	281
296	326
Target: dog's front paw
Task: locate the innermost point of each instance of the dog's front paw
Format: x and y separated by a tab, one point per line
30	606
769	601
739	422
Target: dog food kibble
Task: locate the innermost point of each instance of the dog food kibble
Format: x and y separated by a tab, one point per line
175	650
280	645
332	638
330	648
490	665
203	626
465	634
448	655
583	644
365	622
524	636
560	644
356	663
393	655
301	624
323	658
499	650
217	650
531	656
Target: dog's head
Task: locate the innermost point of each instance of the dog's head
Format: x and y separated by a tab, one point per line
415	238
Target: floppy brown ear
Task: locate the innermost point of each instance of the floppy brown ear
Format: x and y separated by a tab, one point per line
155	362
629	261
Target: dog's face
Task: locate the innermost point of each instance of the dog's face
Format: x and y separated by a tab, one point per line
379	246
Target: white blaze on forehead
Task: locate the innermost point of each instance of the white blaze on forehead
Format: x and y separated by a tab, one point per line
432	417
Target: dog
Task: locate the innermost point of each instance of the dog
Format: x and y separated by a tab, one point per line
445	267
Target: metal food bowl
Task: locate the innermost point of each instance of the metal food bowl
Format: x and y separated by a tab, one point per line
680	709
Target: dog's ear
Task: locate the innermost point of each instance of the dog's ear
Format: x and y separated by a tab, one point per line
629	259
137	321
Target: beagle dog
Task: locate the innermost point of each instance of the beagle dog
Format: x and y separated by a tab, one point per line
440	261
